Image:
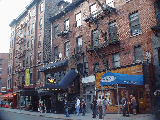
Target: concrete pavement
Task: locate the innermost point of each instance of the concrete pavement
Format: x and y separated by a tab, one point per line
87	117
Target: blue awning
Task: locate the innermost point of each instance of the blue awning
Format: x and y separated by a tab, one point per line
110	78
65	82
55	65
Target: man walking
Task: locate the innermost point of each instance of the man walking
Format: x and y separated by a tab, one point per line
100	104
66	108
83	105
77	105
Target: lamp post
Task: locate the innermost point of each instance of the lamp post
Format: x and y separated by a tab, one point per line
118	98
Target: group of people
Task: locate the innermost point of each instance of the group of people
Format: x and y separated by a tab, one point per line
42	107
101	105
125	104
79	105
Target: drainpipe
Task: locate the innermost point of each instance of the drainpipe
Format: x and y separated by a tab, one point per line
51	43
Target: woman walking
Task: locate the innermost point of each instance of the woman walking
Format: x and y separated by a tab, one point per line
83	106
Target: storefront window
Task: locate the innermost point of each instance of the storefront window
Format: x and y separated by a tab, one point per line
88	98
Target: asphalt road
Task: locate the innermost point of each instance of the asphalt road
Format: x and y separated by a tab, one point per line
4	115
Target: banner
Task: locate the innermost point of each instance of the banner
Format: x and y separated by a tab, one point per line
27	77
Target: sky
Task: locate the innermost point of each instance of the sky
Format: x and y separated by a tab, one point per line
9	10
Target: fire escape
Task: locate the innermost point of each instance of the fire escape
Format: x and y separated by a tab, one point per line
20	53
156	28
94	19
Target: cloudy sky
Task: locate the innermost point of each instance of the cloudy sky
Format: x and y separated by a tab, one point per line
9	10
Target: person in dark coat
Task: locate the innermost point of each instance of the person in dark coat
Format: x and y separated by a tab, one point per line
125	105
83	106
94	107
66	108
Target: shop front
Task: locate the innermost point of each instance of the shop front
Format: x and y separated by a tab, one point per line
60	84
114	84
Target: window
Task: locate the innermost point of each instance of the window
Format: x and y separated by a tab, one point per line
116	60
67	47
31	42
32	29
138	53
39	57
95	38
110	3
11	56
10	43
29	29
8	84
96	67
79	44
134	21
38	75
0	81
93	9
39	41
31	60
112	30
41	7
26	61
40	23
0	61
30	78
82	66
23	62
28	44
56	56
56	31
0	71
66	25
23	82
78	19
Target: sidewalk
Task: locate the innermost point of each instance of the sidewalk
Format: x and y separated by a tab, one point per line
80	117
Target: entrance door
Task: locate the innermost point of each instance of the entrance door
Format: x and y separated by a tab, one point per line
142	101
89	99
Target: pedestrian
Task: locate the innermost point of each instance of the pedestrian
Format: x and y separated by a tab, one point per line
104	105
77	105
94	107
40	106
83	106
100	104
123	105
134	104
66	108
1	103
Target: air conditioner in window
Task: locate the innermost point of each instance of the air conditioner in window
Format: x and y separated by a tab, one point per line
138	61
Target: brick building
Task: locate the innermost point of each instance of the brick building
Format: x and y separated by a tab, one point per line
3	72
30	49
98	36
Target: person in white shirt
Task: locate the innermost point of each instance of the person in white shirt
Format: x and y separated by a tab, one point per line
77	105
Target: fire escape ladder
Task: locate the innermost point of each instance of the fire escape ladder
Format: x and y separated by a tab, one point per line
99	55
101	5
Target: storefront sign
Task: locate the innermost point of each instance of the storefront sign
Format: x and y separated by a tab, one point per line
88	79
27	77
108	78
3	89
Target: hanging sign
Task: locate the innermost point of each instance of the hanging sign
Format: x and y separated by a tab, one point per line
27	77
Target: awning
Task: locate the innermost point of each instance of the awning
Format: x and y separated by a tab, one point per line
65	82
7	96
55	65
110	78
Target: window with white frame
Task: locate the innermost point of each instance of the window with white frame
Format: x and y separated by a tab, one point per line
28	44
116	60
78	19
95	38
56	31
32	29
135	27
79	44
26	61
29	29
30	77
67	48
8	84
31	60
138	53
39	41
110	3
0	71
112	30
93	9
40	23
66	25
32	42
39	57
38	75
56	55
41	7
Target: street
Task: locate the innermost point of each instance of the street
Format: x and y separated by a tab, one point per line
14	114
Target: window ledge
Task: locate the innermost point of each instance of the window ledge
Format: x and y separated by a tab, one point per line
136	34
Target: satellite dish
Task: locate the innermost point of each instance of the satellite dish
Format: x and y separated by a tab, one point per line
60	55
